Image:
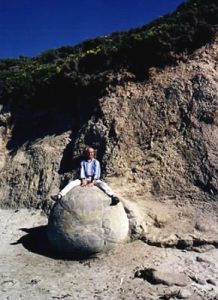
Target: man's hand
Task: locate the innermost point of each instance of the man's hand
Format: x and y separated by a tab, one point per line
90	184
83	182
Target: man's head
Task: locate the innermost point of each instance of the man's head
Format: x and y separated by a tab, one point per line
90	153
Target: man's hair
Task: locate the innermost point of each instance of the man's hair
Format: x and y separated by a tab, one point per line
87	148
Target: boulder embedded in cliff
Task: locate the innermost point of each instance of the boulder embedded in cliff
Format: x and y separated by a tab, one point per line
83	222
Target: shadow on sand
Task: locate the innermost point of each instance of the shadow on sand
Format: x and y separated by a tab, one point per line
36	241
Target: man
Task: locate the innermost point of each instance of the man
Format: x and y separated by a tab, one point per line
90	172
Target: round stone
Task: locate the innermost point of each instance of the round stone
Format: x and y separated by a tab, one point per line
84	222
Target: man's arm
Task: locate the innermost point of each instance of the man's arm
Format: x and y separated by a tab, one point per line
82	174
82	170
97	171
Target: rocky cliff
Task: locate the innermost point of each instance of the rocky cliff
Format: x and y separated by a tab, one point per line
154	124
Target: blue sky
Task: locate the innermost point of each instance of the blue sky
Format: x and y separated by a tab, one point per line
29	27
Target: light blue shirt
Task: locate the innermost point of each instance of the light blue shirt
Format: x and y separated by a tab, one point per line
90	168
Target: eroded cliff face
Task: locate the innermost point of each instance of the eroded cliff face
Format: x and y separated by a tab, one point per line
160	136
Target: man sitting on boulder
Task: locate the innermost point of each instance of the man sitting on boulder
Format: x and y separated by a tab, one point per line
90	172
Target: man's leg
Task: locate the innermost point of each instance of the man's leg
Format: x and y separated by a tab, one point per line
69	187
66	189
105	187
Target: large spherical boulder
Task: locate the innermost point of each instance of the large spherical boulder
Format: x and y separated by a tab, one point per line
84	222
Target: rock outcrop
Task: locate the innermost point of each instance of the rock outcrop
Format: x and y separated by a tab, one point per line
160	134
83	222
146	100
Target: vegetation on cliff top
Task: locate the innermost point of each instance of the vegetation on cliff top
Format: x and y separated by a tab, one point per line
59	72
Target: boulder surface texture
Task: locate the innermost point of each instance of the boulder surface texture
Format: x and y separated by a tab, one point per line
84	222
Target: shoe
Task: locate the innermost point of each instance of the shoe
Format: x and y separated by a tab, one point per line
56	197
114	200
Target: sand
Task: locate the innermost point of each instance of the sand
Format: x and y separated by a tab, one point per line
30	270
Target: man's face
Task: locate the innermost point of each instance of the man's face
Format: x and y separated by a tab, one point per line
90	153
